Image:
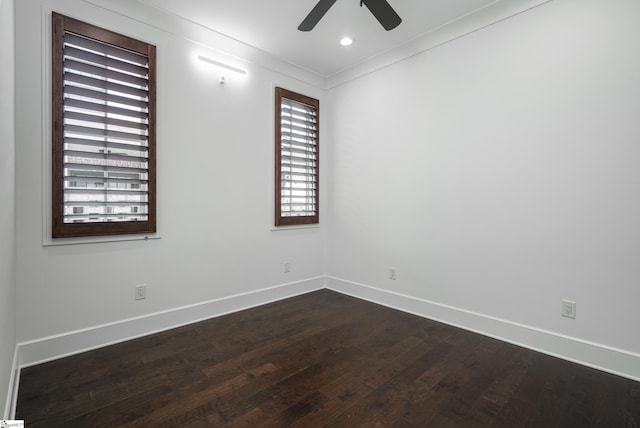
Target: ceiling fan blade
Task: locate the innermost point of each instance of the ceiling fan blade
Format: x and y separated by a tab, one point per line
316	15
384	13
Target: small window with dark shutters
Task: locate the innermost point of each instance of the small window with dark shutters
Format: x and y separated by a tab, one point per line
297	159
103	132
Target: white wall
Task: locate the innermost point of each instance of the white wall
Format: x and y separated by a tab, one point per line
214	183
499	173
7	196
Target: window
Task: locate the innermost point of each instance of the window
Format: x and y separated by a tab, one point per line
104	173
297	159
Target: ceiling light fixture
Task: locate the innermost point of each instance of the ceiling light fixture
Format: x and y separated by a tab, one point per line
346	41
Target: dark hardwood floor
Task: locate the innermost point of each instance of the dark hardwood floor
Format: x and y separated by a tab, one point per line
322	359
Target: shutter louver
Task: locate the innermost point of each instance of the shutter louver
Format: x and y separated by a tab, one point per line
297	180
106	132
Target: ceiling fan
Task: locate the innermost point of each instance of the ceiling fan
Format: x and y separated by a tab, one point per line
381	9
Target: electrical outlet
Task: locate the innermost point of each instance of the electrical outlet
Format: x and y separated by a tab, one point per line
392	273
287	267
141	292
568	309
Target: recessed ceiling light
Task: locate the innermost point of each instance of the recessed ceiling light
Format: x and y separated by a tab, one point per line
346	41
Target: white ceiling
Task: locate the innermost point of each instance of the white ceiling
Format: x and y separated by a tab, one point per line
271	26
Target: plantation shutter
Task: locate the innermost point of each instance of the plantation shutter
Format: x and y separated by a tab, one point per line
106	133
298	143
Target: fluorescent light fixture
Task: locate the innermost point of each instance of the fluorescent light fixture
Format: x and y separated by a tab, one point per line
221	64
346	41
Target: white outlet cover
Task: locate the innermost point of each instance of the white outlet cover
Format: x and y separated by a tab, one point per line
141	292
568	309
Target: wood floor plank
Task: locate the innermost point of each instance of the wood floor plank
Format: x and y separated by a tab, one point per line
321	360
342	394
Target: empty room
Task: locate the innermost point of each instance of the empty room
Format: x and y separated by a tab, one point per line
320	213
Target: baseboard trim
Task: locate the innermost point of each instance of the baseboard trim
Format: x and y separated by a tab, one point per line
615	361
70	343
12	392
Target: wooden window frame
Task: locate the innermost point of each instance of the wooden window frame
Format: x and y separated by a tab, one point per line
280	219
60	229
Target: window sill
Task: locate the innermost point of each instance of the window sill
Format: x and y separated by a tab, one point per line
50	242
301	226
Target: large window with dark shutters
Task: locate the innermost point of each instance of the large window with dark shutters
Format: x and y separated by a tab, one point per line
103	138
297	159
